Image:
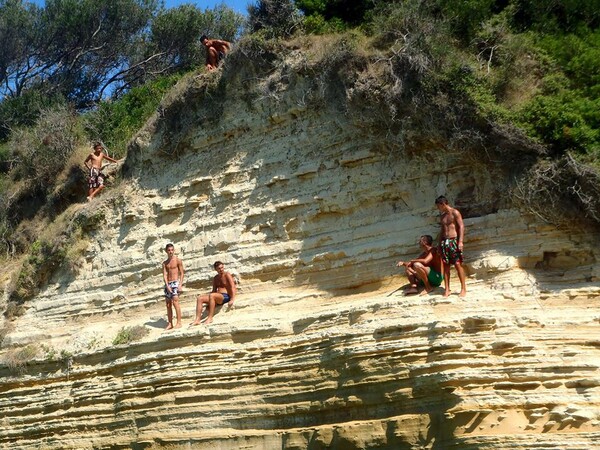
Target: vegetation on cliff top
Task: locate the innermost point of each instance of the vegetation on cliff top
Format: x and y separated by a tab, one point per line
511	76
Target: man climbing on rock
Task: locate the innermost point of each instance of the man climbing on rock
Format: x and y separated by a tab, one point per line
173	276
452	235
215	51
223	291
96	177
426	270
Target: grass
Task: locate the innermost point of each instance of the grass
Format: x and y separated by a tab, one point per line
17	359
130	334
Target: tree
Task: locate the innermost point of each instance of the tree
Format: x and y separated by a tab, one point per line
278	18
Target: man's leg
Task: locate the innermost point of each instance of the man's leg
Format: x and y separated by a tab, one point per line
177	311
200	302
169	314
461	276
446	279
412	279
422	273
215	298
211	58
95	192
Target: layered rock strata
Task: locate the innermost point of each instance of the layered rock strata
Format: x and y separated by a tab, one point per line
312	210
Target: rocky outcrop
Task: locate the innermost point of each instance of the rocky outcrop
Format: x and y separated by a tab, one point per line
311	209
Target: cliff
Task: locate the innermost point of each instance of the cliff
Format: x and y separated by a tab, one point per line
310	200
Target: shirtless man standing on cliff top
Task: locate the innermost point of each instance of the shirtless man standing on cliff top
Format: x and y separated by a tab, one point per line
96	177
451	243
223	291
173	277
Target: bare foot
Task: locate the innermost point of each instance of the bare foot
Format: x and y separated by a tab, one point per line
194	323
178	325
426	291
447	293
463	293
169	327
207	321
89	199
411	291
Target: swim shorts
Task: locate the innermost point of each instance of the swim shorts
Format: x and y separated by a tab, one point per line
96	178
451	254
225	297
435	278
174	285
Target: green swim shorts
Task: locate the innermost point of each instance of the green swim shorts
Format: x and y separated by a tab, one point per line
435	278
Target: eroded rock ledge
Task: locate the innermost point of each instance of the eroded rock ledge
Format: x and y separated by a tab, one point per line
312	210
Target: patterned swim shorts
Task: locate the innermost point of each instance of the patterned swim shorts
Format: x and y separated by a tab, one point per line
451	254
174	285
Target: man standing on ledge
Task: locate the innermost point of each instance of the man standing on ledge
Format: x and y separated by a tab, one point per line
96	178
223	291
173	277
451	243
215	51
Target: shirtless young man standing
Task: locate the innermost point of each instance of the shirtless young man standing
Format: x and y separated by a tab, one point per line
451	243
96	177
427	268
223	291
173	277
216	50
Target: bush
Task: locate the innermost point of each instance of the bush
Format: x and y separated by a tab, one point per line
275	18
17	359
115	122
40	151
130	334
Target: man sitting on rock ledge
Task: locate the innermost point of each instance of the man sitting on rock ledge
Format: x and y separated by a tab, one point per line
223	291
426	270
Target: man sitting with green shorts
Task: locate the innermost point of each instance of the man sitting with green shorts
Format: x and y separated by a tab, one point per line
426	270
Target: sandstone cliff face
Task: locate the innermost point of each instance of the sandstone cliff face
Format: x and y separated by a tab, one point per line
311	207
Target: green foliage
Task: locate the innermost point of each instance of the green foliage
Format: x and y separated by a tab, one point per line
25	110
44	258
115	122
40	152
339	11
130	334
175	33
274	18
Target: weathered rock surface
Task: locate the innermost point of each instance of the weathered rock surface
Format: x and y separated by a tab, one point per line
311	210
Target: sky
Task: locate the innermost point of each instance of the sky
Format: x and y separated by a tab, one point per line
236	5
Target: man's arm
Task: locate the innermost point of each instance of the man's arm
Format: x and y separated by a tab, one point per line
461	228
231	288
85	163
109	158
165	274
181	274
424	258
225	44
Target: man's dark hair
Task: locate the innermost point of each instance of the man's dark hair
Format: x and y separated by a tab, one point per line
203	38
427	238
98	144
441	200
217	264
169	245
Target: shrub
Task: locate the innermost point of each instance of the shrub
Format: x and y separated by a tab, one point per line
130	334
115	122
40	151
275	18
17	359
